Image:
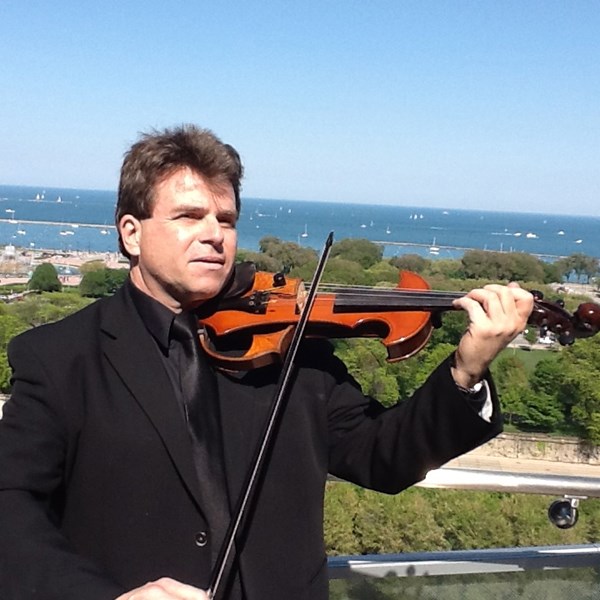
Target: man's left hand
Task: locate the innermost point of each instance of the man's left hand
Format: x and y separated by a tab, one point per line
497	314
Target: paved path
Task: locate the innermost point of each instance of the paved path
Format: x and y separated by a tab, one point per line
521	465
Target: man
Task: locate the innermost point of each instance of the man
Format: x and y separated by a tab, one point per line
107	490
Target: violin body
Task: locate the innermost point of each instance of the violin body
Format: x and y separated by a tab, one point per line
255	329
253	325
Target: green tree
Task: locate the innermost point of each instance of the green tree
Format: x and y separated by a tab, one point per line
37	309
541	411
412	372
102	282
523	267
389	524
363	252
344	271
287	254
551	272
410	262
263	261
530	401
454	324
93	284
382	272
45	279
116	278
341	505
547	376
444	269
477	264
367	361
512	384
10	326
502	266
580	366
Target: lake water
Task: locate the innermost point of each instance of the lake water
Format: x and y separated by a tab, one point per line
82	220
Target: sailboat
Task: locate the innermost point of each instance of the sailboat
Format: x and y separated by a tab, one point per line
433	249
304	234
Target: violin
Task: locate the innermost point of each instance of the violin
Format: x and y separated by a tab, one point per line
251	324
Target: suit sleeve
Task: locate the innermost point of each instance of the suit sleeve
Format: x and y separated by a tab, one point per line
390	449
36	438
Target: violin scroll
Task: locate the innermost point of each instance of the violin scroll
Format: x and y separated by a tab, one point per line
584	322
587	319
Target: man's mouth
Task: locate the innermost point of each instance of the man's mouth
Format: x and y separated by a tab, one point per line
214	260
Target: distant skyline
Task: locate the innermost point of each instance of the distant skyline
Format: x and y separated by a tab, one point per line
457	104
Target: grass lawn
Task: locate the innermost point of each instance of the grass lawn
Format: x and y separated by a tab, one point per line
530	358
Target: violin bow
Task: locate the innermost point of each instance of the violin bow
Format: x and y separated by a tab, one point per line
257	468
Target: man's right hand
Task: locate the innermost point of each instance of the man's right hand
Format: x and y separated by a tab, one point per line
164	589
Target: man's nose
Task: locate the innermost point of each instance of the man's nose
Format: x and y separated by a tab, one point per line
212	230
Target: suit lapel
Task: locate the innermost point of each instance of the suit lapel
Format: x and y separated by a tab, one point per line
244	408
132	353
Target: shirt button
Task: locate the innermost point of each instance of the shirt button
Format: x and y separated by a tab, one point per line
201	539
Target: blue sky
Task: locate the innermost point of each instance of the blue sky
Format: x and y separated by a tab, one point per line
471	104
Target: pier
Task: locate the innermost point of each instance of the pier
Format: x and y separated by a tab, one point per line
57	223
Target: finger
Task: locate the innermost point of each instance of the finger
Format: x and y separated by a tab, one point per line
521	299
504	295
166	589
483	303
510	301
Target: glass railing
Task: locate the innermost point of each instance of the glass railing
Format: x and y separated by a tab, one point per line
535	573
531	573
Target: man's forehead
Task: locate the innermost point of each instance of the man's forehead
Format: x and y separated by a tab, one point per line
186	180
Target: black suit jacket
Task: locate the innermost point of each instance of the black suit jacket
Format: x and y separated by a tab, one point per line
98	491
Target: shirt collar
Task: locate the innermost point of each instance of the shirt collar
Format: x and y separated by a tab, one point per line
156	316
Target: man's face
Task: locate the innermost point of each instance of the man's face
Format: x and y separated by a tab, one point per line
183	254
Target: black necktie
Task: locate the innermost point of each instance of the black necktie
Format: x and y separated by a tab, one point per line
201	407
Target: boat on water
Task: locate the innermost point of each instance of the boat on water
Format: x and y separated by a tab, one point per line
304	234
433	249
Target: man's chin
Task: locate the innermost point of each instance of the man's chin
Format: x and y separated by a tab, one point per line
196	297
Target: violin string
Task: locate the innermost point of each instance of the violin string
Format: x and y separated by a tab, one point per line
393	294
357	289
393	298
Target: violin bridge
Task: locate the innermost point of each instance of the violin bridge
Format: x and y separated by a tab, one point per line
301	297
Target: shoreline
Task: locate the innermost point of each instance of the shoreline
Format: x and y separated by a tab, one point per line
28	260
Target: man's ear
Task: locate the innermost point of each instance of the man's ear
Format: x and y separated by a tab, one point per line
130	229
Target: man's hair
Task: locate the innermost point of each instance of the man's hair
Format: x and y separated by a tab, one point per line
159	154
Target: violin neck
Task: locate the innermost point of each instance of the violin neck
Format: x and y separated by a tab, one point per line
385	300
